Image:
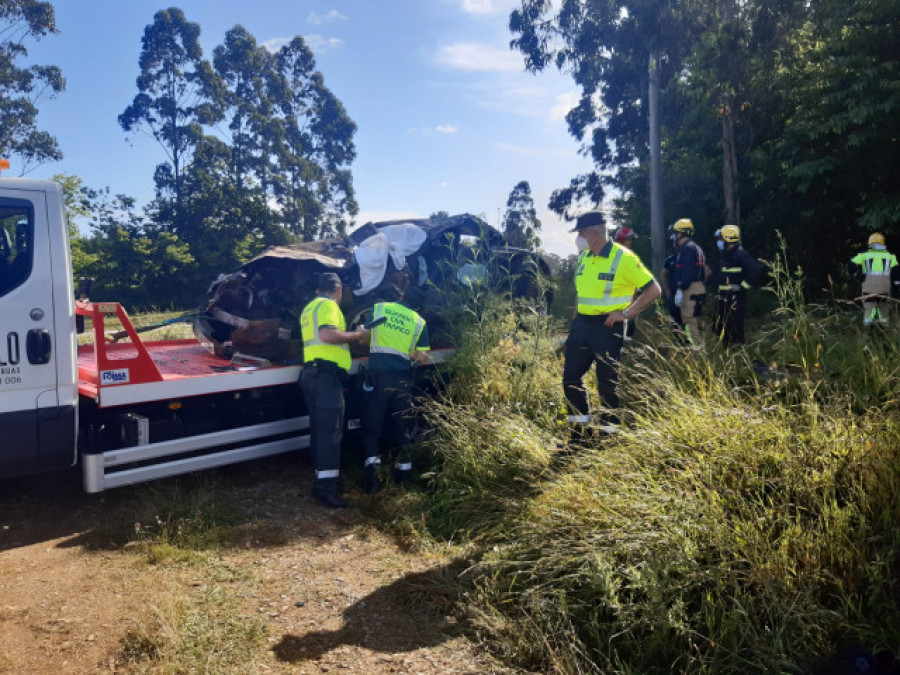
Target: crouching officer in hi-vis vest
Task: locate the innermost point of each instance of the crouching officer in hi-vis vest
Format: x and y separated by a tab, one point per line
875	267
399	340
606	279
326	363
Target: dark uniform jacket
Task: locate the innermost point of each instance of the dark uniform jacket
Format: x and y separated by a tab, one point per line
738	271
690	264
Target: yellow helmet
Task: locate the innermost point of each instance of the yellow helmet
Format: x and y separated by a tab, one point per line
731	234
684	226
876	238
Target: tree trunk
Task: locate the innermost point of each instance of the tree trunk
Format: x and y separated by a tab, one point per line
729	150
730	170
657	224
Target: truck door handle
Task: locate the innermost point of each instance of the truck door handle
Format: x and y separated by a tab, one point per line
39	346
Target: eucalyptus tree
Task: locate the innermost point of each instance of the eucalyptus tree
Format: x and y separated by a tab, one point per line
611	48
258	147
520	222
314	147
244	69
222	221
171	104
21	87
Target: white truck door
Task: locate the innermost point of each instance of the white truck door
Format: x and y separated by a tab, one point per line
29	348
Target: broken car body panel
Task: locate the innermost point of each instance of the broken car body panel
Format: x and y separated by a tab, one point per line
438	261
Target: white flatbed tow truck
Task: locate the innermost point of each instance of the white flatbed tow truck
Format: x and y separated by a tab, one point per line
127	411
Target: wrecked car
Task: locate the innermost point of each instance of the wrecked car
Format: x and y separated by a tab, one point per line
440	262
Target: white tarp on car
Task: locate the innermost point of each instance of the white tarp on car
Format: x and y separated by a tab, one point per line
396	241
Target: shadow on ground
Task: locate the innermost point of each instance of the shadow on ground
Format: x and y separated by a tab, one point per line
264	495
412	613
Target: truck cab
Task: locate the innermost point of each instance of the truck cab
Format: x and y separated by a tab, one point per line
38	386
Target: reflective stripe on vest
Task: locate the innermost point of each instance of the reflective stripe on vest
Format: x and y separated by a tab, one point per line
883	266
400	334
313	345
601	296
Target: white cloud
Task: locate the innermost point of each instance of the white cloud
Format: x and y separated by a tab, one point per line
317	19
487	7
532	152
444	185
478	6
275	44
428	132
564	103
319	43
474	56
508	94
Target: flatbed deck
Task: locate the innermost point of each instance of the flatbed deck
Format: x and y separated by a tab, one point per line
133	372
184	367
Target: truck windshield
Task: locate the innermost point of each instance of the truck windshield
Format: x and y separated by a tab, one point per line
16	243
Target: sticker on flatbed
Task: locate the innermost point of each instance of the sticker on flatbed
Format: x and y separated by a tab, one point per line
118	376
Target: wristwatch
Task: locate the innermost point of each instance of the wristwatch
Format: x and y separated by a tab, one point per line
625	313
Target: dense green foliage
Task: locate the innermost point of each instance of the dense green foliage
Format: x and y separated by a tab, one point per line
775	115
22	87
744	520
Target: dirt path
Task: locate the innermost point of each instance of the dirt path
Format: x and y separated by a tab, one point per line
323	590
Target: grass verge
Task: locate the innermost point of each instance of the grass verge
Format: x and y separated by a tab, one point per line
745	520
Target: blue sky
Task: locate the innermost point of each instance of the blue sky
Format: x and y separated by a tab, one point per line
447	118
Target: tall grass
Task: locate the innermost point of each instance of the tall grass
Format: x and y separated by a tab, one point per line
744	520
492	436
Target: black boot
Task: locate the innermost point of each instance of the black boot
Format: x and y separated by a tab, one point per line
371	481
402	476
326	491
579	437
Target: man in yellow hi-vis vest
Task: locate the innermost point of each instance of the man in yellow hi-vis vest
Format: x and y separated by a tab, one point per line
875	266
326	363
606	278
398	342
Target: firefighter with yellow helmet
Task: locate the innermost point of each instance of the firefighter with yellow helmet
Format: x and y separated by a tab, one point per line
686	282
738	271
875	266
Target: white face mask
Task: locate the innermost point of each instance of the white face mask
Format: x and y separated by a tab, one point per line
581	243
